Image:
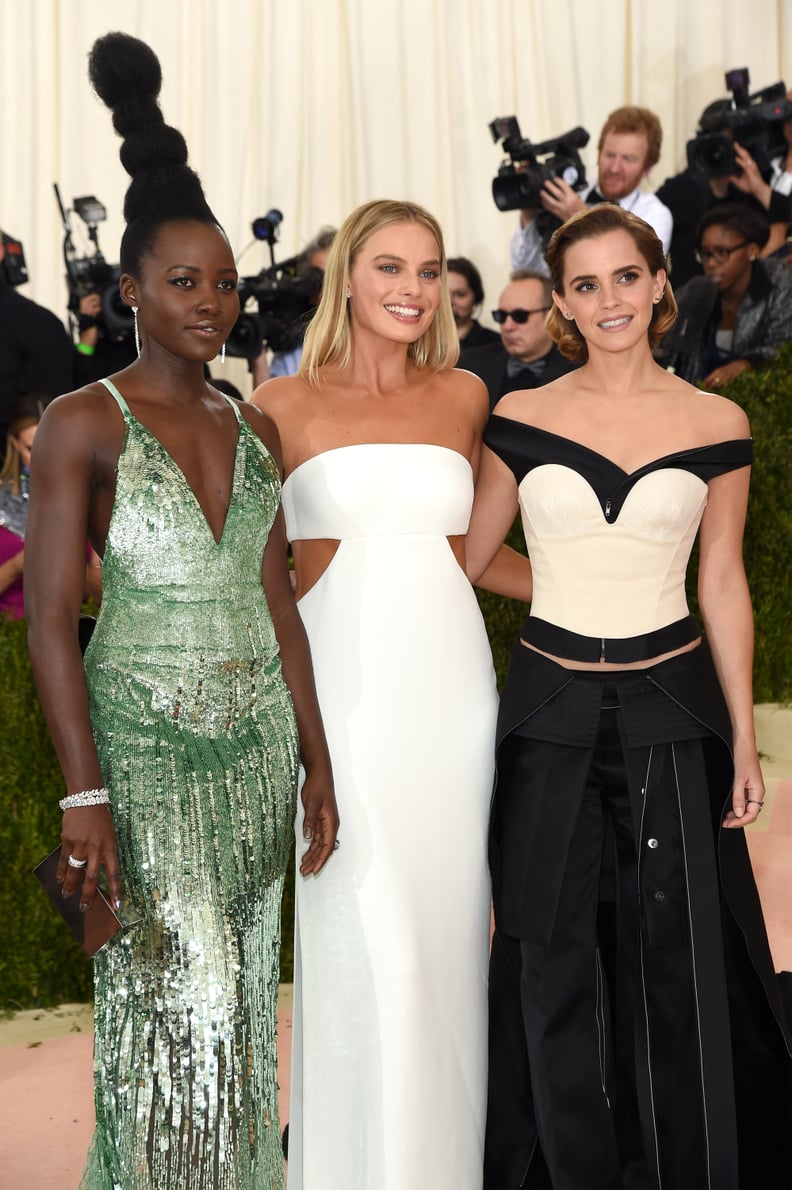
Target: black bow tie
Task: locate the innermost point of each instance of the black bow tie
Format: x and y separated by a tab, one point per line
594	196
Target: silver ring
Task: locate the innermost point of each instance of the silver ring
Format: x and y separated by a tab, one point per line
750	801
76	863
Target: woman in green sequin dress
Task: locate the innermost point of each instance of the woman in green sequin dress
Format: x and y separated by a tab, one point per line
198	679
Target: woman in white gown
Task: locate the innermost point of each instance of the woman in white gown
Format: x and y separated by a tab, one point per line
381	439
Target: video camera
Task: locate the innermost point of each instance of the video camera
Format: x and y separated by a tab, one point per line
285	295
91	273
521	177
756	121
13	267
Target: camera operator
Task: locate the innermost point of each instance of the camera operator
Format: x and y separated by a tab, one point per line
310	265
98	353
629	145
36	354
706	183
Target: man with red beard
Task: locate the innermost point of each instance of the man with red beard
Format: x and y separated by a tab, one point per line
629	146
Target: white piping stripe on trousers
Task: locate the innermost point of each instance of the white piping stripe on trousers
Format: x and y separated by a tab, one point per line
599	1013
643	979
694	966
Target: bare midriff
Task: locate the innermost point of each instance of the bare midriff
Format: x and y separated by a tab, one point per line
604	666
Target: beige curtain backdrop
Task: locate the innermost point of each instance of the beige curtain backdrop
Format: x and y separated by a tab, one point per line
313	106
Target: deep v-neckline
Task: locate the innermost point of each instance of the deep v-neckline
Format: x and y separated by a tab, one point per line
179	471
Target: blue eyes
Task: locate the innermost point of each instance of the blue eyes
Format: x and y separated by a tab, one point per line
425	274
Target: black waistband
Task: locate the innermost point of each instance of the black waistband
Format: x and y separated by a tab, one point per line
572	646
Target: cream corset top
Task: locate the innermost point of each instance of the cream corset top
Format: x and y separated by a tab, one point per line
609	548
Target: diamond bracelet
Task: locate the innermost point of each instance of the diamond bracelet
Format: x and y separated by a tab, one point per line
87	797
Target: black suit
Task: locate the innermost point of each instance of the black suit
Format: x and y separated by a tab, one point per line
490	363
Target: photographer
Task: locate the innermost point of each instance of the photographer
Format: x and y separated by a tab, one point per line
739	313
98	354
35	352
629	145
309	268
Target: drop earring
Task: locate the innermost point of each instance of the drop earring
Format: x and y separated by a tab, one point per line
137	332
222	353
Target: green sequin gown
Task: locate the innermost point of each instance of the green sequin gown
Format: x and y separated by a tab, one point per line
197	741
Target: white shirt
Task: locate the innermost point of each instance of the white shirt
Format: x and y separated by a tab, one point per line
526	251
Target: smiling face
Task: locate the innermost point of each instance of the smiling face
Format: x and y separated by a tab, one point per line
610	291
186	294
395	283
621	163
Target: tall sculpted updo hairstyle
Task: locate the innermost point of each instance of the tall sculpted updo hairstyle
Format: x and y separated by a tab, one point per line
125	73
586	225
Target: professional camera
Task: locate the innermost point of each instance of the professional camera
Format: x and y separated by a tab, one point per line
284	295
13	267
521	177
756	121
91	273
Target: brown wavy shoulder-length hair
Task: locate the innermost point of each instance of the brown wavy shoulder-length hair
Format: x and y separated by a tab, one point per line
328	338
586	225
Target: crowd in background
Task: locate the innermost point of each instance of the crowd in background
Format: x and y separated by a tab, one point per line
726	239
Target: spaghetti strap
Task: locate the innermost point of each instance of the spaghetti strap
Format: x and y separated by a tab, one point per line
111	388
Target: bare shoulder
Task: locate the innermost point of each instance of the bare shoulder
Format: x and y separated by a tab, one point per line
87	418
523	404
466	391
277	397
719	419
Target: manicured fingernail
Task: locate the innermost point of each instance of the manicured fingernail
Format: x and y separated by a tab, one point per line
117	903
739	811
83	907
306	832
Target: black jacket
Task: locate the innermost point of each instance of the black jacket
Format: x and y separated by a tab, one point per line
490	364
36	354
763	324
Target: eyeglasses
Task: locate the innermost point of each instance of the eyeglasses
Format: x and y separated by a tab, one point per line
720	255
519	316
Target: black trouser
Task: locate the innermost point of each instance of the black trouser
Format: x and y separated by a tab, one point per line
610	1033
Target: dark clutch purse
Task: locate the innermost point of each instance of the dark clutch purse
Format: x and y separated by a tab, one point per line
92	929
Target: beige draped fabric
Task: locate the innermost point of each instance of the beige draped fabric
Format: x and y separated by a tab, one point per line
313	106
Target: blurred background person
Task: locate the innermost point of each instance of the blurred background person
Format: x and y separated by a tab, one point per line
466	291
739	313
691	194
36	354
14	487
99	352
628	148
523	355
310	266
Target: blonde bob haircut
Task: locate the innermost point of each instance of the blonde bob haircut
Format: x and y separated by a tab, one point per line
328	339
586	225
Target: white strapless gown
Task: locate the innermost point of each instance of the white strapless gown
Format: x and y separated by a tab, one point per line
388	1076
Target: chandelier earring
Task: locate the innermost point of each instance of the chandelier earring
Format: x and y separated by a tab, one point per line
137	332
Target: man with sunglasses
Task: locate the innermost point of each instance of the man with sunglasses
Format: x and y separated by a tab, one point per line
526	356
